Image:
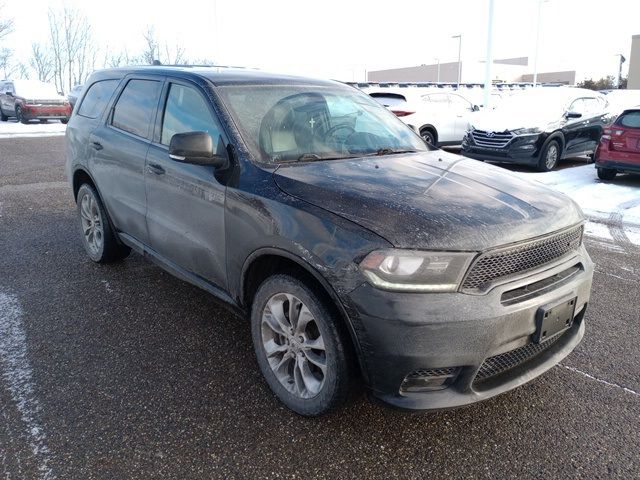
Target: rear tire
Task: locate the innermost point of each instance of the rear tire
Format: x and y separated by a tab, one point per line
549	157
288	319
606	173
98	238
428	136
64	121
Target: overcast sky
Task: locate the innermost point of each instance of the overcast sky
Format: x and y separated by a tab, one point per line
343	38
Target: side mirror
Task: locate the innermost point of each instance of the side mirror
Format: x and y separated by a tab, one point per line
569	115
10	94
475	108
196	148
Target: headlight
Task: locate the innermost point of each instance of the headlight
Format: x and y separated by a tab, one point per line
527	131
416	271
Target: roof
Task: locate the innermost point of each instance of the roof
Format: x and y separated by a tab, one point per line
217	75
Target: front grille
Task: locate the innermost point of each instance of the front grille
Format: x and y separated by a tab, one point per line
483	138
498	364
496	264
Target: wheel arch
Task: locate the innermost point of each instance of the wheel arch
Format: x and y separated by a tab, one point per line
559	137
268	261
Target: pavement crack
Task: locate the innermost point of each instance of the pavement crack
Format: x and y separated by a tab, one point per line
599	380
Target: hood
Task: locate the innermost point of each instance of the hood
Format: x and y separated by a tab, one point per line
500	120
431	200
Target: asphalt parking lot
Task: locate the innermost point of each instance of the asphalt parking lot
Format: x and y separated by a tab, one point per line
113	372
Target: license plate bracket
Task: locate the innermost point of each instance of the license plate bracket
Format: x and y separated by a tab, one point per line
554	318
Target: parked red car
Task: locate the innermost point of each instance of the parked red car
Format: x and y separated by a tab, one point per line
619	148
32	100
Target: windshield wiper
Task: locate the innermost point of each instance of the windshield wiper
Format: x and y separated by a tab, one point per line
305	157
391	151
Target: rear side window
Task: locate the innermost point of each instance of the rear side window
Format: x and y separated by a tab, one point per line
631	120
97	97
187	111
134	109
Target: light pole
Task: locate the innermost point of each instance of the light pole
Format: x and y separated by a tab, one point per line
459	37
535	58
622	60
489	59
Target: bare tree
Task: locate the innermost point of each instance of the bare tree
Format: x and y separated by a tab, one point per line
6	24
72	49
5	62
42	62
151	53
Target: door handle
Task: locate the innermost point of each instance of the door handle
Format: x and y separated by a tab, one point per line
155	169
96	145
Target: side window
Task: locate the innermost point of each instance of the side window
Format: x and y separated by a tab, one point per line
187	111
97	97
134	109
577	106
459	103
439	99
592	106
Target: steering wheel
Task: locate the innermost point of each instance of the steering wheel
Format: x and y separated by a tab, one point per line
341	126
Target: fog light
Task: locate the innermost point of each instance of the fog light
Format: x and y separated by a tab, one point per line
429	379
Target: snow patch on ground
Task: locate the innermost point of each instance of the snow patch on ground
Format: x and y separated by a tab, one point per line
13	129
17	376
611	205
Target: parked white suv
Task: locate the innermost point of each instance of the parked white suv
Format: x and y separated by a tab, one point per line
440	116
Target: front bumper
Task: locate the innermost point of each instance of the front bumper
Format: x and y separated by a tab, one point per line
521	150
33	112
401	333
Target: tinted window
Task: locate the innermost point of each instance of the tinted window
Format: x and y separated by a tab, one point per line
96	98
134	110
187	111
389	99
631	119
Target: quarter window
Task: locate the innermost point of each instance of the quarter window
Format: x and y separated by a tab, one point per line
133	112
187	111
96	98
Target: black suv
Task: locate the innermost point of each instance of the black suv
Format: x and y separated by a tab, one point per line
356	250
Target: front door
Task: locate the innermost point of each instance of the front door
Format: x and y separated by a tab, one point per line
185	202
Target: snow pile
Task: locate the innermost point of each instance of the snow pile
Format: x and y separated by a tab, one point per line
12	129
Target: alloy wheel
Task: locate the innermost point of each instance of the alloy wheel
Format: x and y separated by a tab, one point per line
92	227
293	345
552	156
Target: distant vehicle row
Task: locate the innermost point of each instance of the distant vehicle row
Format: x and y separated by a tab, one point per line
32	100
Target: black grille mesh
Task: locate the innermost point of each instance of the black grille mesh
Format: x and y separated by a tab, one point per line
432	372
498	364
496	264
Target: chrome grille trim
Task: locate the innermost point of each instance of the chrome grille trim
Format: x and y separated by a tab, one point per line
495	264
483	138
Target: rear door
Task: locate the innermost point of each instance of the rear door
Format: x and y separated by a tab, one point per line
120	145
438	113
185	202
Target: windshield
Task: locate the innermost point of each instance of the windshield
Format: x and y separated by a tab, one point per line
35	89
288	123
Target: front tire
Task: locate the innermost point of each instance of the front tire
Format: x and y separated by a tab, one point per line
606	173
20	116
549	157
98	238
299	346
